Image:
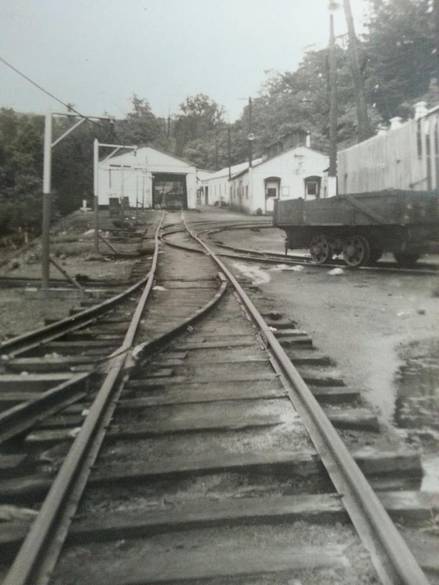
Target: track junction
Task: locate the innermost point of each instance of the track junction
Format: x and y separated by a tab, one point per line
186	437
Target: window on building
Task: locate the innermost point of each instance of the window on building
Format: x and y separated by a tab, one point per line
271	192
312	187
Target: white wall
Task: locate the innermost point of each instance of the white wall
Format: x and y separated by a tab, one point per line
291	167
130	175
219	184
396	159
124	181
218	189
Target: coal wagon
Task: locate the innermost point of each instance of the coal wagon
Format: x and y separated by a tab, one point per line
361	227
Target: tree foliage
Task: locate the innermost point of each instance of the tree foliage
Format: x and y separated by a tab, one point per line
399	61
140	126
401	48
20	170
199	123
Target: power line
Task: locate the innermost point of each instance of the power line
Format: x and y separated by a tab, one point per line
47	92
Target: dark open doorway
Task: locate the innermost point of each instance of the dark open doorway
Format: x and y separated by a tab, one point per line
169	191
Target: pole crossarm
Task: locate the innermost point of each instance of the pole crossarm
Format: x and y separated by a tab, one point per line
102	145
112	153
79	115
67	132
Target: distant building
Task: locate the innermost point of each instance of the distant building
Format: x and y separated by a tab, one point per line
148	177
216	186
298	172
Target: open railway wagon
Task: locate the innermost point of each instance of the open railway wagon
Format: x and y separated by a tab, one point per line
361	227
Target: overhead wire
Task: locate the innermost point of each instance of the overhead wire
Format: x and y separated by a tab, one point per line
47	92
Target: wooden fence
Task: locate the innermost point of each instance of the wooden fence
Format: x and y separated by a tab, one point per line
406	157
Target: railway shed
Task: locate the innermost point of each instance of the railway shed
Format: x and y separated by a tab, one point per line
148	177
298	172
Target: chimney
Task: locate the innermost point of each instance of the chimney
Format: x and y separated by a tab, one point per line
308	140
395	122
420	110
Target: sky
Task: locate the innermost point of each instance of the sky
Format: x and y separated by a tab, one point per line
96	54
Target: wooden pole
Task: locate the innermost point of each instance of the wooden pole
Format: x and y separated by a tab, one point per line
250	137
229	151
364	130
332	174
47	171
96	193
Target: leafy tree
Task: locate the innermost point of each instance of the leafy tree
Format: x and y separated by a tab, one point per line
401	46
20	171
199	120
140	126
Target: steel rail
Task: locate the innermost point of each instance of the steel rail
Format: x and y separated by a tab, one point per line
33	339
40	549
21	417
291	260
391	557
34	563
263	258
307	261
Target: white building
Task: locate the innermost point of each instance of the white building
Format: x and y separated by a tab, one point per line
298	172
216	185
145	176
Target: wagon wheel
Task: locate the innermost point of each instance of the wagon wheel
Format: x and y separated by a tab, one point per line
320	249
406	259
356	251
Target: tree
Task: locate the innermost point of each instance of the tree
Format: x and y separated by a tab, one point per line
20	171
200	119
401	46
140	126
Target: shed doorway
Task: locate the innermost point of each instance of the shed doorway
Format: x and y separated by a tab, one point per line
169	191
272	190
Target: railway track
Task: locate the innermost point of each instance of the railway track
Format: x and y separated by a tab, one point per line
207	456
268	257
45	370
298	259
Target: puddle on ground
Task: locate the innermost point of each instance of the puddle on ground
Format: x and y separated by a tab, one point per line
254	273
417	403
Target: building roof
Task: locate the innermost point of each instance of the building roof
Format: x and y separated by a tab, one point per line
224	172
149	157
261	161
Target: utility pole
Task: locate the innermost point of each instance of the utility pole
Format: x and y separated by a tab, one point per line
96	192
436	30
47	175
229	151
250	134
49	144
332	174
364	131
